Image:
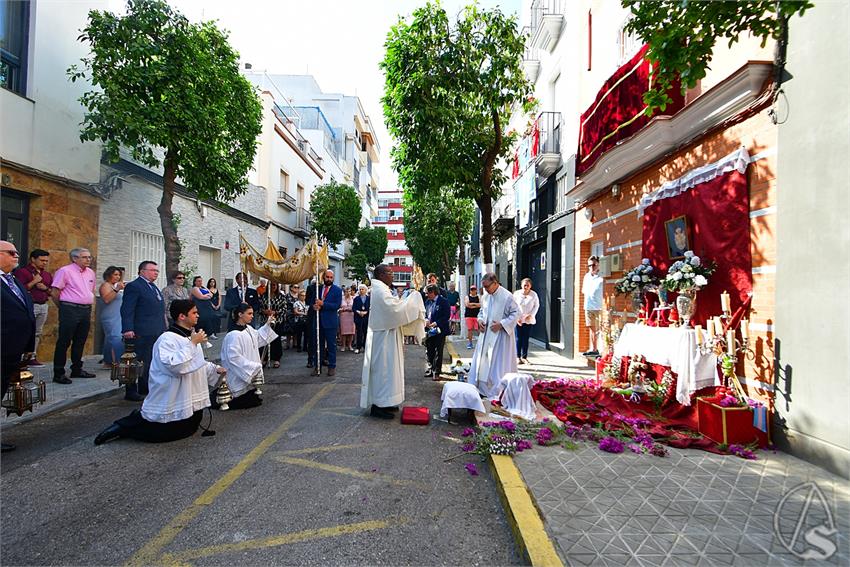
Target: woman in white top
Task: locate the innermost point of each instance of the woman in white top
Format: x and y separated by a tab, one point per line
240	356
528	303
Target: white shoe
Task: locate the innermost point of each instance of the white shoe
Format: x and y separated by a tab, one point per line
357	351
207	344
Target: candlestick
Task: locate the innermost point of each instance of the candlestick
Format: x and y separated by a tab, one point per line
730	342
698	330
724	302
745	329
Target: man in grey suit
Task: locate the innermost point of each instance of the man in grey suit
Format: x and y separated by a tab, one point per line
143	320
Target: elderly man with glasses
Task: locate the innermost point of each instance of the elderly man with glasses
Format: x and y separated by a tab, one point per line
143	321
494	354
73	292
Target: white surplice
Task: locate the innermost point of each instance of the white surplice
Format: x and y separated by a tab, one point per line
495	353
179	380
390	319
240	355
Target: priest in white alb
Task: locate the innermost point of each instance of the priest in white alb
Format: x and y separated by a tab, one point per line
240	356
390	320
495	353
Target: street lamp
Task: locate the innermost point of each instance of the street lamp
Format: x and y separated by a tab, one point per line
23	392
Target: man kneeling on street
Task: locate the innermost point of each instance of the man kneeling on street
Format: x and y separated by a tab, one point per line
179	383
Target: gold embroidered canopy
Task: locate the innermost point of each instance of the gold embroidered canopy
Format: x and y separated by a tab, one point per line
301	266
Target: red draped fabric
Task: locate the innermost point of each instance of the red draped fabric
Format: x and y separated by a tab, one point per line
618	111
717	213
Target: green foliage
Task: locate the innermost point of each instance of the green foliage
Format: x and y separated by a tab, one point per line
336	211
434	228
163	82
367	251
449	92
682	34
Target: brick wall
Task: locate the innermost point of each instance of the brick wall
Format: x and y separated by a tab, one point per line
758	135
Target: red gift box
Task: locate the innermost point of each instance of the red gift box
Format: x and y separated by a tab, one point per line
728	425
414	415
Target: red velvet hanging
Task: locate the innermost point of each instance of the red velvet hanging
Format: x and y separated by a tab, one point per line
717	213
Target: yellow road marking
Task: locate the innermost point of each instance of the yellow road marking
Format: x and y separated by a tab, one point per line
281	539
340	414
149	553
327	449
344	470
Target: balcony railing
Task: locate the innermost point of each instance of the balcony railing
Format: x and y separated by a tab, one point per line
304	222
286	200
530	57
548	130
504	218
547	20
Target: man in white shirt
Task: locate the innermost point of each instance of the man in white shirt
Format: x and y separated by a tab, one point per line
591	288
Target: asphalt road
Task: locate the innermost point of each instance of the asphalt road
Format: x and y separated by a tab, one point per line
305	479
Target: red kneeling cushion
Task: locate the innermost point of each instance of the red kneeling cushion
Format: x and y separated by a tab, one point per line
415	415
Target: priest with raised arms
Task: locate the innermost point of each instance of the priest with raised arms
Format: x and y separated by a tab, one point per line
495	353
179	383
390	320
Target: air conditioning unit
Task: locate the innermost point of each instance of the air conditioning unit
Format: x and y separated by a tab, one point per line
605	266
616	262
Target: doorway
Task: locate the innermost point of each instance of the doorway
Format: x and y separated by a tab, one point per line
556	301
15	221
537	272
209	264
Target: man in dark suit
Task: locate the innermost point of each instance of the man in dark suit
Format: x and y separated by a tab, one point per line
17	320
437	325
238	295
326	305
143	320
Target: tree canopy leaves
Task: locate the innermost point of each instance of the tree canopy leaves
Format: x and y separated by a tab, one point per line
335	208
367	251
171	93
449	92
681	34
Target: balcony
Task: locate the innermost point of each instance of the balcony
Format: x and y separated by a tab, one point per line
547	130
286	200
505	219
363	157
531	64
547	21
303	224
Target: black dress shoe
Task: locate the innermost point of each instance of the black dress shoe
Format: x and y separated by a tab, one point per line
108	434
6	447
82	374
380	413
429	374
391	408
62	379
134	397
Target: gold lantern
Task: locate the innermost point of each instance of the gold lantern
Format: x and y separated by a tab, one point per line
127	370
24	392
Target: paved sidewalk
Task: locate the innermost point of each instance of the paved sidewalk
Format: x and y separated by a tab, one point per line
689	508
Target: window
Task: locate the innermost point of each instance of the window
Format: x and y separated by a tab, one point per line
284	181
401	277
14	43
300	196
15	220
145	246
627	44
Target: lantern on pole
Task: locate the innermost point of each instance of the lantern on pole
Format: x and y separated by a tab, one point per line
24	392
128	369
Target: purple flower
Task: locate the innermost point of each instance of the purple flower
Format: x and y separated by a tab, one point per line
522	445
467	447
635	448
742	452
658	450
611	445
509	426
468	432
544	435
729	401
471	469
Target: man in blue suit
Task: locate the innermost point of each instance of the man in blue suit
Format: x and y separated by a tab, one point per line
143	320
326	305
238	295
17	320
437	314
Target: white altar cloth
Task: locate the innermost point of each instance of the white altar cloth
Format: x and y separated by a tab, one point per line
675	347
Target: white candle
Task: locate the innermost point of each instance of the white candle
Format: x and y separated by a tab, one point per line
724	302
718	327
709	329
698	330
730	342
745	329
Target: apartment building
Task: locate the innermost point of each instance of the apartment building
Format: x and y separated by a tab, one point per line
391	216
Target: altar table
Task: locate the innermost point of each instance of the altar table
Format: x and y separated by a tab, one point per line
675	347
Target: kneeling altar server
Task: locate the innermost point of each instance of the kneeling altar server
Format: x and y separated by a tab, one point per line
240	356
179	384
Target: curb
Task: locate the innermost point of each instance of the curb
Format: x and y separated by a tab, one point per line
522	515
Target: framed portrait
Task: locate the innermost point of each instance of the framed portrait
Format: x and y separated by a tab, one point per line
678	237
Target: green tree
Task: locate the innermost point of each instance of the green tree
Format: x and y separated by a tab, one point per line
449	93
367	251
681	35
169	91
435	229
335	208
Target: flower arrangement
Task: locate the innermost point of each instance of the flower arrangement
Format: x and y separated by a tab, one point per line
689	274
637	279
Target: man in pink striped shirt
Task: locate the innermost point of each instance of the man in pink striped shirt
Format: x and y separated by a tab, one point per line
73	292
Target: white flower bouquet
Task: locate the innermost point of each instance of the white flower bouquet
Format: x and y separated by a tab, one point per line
689	274
637	279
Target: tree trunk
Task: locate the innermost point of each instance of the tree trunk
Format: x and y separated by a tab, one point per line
485	201
485	205
166	216
461	269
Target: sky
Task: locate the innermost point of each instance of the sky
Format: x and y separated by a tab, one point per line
340	42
